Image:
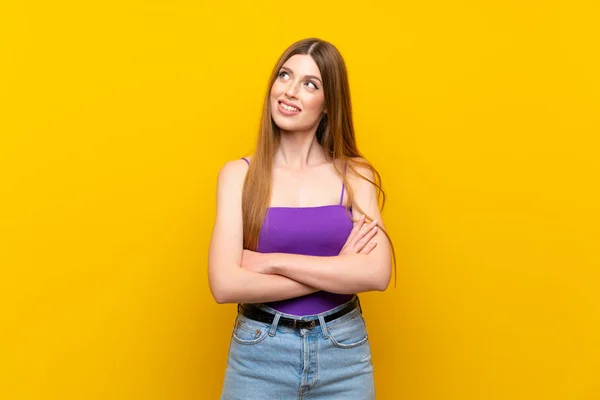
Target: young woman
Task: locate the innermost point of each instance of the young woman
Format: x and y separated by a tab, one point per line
298	233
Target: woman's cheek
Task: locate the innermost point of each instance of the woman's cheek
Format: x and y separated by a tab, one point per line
315	103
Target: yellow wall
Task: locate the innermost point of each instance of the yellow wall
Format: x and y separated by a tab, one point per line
483	120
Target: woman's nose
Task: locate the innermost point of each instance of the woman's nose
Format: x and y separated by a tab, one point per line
291	89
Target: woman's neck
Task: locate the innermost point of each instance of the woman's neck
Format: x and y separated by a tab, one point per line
298	150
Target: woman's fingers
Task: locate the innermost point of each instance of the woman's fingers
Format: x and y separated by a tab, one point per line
366	228
370	234
361	235
369	247
357	227
348	246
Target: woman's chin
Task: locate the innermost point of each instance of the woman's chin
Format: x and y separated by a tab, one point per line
286	125
291	127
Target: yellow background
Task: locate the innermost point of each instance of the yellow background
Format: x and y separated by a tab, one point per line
482	118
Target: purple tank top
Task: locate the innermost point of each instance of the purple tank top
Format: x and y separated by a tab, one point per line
313	231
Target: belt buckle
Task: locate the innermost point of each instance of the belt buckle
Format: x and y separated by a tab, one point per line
311	324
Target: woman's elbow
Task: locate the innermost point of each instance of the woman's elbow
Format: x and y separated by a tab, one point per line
220	298
218	295
382	284
382	280
221	293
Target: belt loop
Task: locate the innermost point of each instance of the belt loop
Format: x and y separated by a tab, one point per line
274	324
324	329
359	306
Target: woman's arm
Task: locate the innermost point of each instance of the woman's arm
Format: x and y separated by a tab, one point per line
345	273
229	283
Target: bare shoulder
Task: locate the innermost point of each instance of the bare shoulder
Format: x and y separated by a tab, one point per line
361	172
233	170
231	176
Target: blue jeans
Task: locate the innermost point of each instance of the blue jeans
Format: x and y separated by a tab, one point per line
330	361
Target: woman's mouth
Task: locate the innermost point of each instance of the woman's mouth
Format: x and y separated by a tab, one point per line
286	109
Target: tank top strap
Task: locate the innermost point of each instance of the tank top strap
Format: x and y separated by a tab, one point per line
343	184
245	159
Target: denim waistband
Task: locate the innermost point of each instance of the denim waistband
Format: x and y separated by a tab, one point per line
311	316
321	327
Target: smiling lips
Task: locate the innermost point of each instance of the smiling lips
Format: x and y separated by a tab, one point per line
288	107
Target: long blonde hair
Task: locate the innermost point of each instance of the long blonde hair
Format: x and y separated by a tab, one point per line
335	133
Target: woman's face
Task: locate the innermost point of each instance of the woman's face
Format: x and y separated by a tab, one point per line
297	98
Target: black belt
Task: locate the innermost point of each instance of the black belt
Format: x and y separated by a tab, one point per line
255	313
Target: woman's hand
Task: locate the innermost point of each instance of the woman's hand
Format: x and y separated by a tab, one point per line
361	239
256	262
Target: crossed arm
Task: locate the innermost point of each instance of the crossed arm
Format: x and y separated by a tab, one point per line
238	276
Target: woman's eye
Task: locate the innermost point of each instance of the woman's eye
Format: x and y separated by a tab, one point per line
282	73
313	85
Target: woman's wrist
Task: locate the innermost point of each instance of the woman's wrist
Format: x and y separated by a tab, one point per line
273	263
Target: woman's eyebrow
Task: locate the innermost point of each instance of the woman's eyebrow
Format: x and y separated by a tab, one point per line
306	76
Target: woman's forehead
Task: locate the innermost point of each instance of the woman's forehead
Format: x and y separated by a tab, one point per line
303	64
